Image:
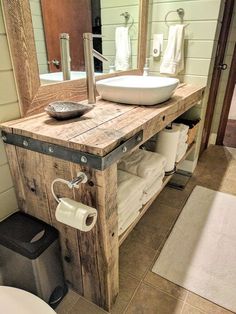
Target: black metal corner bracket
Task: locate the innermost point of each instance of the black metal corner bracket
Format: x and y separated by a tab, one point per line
72	155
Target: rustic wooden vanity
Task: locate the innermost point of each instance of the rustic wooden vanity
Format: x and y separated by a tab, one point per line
41	149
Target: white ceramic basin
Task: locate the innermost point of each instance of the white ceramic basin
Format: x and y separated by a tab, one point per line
137	90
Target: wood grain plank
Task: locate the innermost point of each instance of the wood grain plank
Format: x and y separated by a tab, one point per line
21	39
57	168
103	128
31	169
99	247
45	128
150	119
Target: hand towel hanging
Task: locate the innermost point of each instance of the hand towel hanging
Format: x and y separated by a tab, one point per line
173	60
123	49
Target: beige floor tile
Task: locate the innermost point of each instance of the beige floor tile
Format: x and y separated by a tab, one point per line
82	306
228	186
128	285
188	309
231	151
135	258
231	170
173	198
67	303
160	216
205	305
149	236
149	300
165	285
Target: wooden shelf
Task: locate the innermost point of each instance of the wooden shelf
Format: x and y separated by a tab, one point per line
143	210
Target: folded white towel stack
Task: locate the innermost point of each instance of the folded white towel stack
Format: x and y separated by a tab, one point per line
123	49
153	186
140	177
183	137
143	163
129	197
173	59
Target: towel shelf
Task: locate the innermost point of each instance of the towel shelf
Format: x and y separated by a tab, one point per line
124	235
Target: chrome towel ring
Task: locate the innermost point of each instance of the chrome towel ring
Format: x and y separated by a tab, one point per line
180	13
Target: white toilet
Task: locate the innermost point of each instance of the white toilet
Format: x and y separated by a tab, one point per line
13	300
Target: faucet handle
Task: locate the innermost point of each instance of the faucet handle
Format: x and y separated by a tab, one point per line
90	36
97	35
99	56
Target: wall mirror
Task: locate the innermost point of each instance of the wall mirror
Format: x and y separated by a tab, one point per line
34	28
73	17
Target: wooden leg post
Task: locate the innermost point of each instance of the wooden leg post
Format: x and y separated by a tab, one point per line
99	248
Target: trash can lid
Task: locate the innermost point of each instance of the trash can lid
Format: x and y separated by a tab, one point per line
26	235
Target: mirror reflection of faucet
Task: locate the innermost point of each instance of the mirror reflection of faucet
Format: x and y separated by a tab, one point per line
89	53
146	67
65	56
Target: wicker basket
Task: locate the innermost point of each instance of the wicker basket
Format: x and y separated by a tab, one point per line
192	133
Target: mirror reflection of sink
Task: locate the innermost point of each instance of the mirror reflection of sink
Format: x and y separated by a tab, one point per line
137	90
55	77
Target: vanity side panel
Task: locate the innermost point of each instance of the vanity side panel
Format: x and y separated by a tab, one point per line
99	248
57	168
90	259
31	168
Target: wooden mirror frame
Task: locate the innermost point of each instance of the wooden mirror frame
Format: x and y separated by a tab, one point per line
32	95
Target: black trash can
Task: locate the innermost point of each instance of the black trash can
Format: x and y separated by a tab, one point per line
30	257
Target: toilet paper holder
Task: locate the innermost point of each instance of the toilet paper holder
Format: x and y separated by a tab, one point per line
74	183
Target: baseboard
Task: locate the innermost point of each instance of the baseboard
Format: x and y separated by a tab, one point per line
212	139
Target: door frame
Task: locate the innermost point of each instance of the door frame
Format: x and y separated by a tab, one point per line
221	48
227	100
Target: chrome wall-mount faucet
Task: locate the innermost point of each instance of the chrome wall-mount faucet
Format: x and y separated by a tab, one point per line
89	53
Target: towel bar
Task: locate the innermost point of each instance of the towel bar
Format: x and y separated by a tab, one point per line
127	16
180	13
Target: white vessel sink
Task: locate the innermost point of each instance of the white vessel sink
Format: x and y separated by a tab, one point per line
137	90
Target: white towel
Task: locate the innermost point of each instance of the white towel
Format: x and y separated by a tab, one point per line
152	187
173	59
126	223
183	129
129	189
130	208
183	139
143	163
123	49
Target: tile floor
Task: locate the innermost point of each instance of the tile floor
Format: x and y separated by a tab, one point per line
141	291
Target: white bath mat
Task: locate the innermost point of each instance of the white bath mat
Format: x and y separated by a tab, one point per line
200	253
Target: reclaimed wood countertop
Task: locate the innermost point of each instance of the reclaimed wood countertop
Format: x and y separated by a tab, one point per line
106	126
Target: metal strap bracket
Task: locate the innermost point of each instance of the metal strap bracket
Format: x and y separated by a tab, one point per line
72	155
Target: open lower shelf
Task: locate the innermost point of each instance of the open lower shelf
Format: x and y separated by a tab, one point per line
145	207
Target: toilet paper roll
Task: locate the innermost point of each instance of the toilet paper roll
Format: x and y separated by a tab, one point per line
76	214
167	144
